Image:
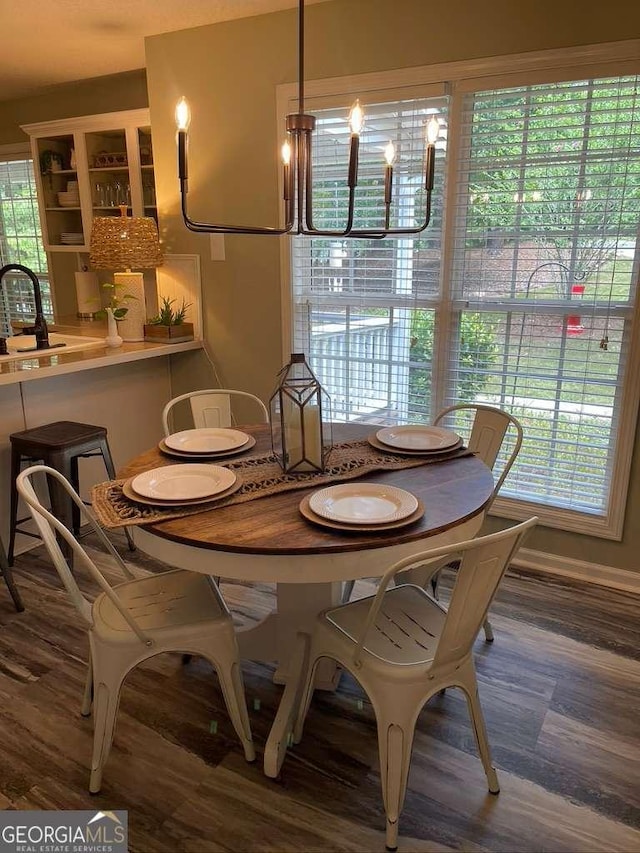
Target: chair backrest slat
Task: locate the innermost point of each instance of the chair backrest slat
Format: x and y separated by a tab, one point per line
211	410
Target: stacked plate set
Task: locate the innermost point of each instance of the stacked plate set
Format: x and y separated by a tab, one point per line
72	238
70	197
362	507
181	485
206	443
415	440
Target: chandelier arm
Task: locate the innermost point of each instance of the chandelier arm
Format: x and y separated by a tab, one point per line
309	229
210	228
390	232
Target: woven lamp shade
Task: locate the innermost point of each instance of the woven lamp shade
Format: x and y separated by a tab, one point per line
124	243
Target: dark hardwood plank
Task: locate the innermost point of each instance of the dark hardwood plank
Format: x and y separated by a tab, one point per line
559	687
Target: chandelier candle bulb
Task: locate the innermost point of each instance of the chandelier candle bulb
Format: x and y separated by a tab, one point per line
389	156
433	131
286	162
182	120
356	122
356	118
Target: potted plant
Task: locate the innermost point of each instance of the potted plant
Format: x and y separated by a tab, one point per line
169	325
113	312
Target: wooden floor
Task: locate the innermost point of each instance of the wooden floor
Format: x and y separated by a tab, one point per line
560	689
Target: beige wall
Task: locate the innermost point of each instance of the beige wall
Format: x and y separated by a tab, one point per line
229	73
86	97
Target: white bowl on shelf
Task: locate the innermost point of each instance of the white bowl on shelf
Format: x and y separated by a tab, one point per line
68	199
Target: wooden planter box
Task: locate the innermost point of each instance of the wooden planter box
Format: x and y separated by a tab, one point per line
168	334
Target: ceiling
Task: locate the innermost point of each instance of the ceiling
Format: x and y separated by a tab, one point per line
47	42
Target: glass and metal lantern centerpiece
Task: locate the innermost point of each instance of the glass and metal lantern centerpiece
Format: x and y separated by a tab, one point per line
300	415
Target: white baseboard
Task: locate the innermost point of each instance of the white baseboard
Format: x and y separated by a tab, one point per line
553	564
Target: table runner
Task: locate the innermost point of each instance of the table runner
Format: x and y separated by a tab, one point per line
261	476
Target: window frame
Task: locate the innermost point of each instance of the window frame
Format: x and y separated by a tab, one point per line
458	79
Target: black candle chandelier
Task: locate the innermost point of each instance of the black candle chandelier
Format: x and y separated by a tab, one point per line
298	175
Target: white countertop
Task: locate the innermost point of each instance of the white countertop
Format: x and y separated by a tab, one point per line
58	362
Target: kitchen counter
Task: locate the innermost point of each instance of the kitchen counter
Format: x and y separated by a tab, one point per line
122	388
57	362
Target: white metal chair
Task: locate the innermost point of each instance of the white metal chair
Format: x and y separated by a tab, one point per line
211	407
489	428
403	647
135	620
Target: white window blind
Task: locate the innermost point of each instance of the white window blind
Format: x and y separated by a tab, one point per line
532	310
547	213
21	243
355	300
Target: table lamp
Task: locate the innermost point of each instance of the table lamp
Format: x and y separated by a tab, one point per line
123	243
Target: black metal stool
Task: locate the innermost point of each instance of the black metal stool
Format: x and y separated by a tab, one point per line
7	574
58	445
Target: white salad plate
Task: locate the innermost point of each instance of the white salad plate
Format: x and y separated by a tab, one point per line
418	437
206	440
363	503
183	482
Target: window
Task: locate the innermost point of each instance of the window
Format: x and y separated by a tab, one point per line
547	218
522	296
356	300
20	241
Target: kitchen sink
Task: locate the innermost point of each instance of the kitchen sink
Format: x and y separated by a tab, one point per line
72	343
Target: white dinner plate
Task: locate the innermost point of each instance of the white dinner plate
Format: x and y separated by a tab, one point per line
183	482
209	455
417	437
132	495
363	503
206	440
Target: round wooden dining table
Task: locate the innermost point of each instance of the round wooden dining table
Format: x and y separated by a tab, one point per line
269	540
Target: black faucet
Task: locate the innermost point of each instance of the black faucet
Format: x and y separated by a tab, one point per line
39	328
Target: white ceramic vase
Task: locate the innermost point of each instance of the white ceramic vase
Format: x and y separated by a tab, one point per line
113	339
